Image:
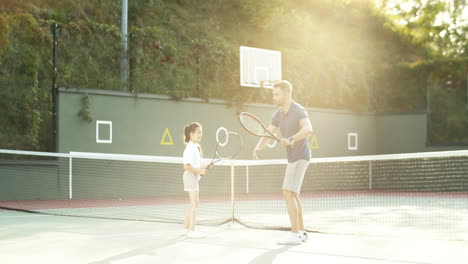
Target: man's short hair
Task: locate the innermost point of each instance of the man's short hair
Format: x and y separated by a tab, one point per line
285	86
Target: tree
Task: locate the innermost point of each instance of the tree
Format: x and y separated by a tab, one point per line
440	24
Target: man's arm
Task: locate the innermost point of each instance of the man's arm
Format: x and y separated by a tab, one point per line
305	131
263	141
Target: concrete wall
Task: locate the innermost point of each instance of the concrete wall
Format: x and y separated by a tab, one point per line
401	133
332	128
140	122
30	180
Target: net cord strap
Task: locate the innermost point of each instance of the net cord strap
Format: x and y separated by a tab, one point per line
177	160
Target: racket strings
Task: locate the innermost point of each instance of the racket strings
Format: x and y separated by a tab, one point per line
231	148
253	125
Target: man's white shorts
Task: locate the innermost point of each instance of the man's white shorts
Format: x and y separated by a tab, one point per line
294	175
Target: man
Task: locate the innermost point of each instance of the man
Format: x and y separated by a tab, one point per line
293	121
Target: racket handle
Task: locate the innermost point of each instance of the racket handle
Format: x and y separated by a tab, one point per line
209	165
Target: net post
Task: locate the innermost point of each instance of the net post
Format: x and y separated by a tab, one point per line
70	178
232	193
370	175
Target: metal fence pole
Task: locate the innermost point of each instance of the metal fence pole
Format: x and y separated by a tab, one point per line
123	62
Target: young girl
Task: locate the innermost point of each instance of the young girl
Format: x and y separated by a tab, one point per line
193	170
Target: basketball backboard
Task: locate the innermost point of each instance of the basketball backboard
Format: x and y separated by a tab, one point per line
259	67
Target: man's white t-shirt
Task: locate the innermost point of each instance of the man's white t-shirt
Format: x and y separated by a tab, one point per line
192	155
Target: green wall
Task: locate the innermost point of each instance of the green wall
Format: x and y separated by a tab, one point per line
30	180
139	123
401	133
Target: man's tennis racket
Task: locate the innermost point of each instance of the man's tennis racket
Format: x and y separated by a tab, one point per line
227	147
255	126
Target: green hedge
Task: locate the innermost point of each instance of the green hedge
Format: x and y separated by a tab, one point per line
24	82
358	76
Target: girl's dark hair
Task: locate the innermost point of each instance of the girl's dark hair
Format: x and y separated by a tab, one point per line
190	128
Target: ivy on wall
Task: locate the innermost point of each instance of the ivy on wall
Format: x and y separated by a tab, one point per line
373	71
24	106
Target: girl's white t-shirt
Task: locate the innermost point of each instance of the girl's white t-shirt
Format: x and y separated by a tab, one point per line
192	155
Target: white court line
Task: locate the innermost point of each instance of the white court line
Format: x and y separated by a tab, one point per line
22	216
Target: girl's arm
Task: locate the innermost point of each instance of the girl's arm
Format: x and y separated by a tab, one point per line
188	167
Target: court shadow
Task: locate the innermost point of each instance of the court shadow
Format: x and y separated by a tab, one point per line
147	250
269	256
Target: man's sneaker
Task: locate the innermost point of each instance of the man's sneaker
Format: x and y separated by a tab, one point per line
195	234
290	239
304	236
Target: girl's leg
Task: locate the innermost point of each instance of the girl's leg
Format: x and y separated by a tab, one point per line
187	214
192	210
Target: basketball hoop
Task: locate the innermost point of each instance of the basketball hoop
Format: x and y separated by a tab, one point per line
257	65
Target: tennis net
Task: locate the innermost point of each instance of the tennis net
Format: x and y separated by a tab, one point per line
417	195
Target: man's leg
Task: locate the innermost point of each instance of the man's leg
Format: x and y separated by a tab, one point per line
293	238
296	184
293	210
300	216
294	176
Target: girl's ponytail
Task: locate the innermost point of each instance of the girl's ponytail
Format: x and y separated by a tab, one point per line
188	129
187	134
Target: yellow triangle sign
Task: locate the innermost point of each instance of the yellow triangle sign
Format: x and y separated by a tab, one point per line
314	142
165	137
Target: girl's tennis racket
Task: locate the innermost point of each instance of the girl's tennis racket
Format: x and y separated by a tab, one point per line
227	147
255	126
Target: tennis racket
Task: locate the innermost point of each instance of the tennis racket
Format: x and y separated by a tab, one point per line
227	147
255	126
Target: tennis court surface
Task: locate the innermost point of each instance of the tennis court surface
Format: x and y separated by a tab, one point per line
29	238
107	208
